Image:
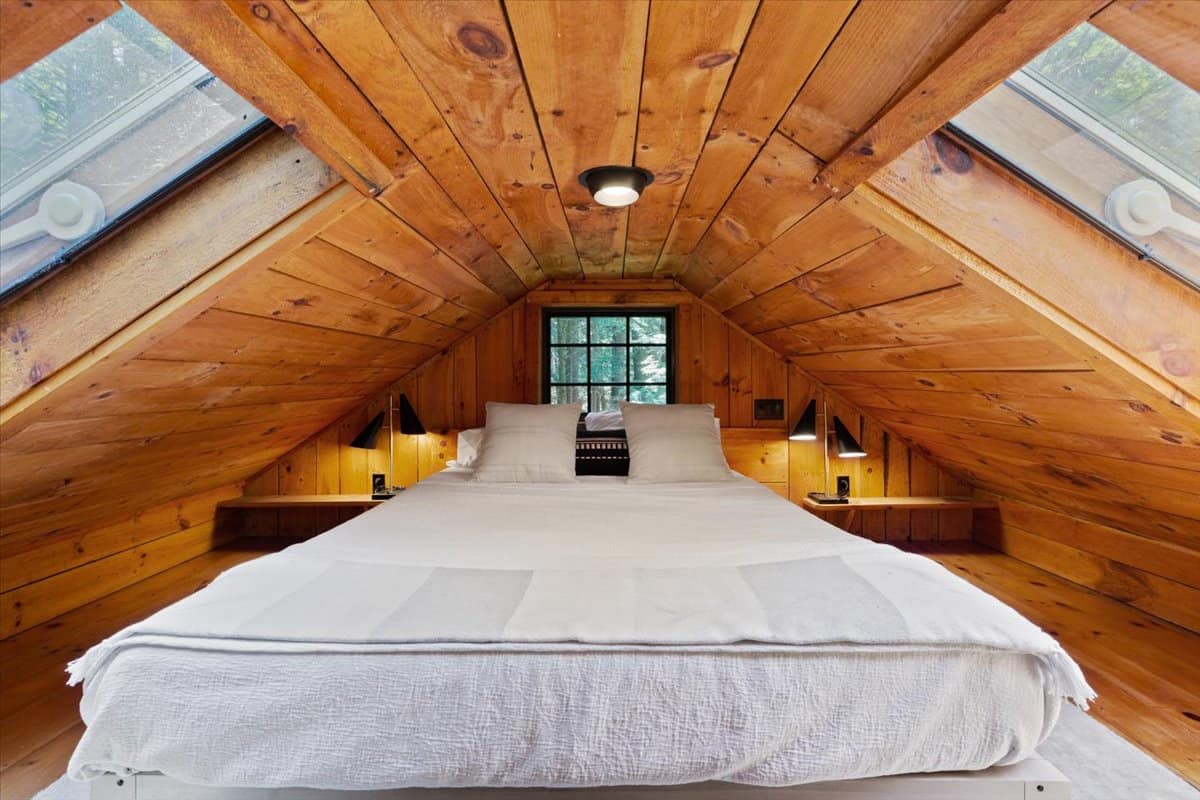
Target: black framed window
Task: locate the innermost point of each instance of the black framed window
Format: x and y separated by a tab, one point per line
600	357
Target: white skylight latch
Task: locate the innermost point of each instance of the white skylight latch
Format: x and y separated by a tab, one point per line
66	211
1143	208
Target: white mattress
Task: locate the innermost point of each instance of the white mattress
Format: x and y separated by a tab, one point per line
347	712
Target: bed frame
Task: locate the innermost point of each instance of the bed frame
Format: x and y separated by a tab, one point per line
1032	779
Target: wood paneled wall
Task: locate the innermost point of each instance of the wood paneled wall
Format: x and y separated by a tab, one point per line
716	362
48	576
1160	578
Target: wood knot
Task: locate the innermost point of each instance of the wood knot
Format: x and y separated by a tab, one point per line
953	156
261	11
481	41
715	59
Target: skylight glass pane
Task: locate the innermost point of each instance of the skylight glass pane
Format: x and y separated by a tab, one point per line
1090	116
97	127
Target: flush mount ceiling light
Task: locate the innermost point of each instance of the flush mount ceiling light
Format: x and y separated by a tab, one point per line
616	186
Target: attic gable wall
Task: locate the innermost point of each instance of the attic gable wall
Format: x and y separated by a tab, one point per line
716	362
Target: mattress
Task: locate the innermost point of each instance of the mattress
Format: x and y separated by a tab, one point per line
659	635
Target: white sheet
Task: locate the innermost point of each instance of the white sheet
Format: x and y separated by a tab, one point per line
340	710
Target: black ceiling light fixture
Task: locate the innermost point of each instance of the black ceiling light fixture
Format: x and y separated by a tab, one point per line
806	426
616	186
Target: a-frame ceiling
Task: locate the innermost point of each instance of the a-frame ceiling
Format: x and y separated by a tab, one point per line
460	128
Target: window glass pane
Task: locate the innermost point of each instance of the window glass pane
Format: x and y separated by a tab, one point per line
608	330
648	329
569	394
568	365
568	330
606	398
1110	134
648	364
95	128
608	364
648	394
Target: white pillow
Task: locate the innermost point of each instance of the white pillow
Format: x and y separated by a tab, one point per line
469	442
528	444
673	444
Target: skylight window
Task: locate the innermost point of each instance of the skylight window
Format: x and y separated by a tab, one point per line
1108	133
98	128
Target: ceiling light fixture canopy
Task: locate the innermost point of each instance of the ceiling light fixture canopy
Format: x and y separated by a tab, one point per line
616	186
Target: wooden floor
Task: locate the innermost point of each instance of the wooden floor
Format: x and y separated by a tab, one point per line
1145	670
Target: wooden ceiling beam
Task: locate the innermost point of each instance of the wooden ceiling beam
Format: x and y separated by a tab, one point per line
1004	43
1045	265
173	312
216	35
883	50
1164	32
156	255
33	29
318	81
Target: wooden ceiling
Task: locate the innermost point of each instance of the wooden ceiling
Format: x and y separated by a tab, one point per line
461	127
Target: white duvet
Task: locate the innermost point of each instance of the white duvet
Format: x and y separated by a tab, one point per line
571	635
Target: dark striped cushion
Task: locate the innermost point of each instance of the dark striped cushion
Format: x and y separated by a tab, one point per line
601	453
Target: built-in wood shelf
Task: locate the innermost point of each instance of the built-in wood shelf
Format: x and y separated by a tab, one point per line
904	503
302	501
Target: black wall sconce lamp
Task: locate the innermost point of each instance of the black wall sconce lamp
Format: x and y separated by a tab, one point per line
368	438
806	430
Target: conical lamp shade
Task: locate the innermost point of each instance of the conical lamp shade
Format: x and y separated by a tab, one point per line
806	427
370	435
847	445
410	423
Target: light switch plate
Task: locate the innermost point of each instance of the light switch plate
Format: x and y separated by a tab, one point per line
768	408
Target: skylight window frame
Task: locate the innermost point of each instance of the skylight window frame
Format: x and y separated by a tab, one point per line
16	288
1050	101
107	131
968	140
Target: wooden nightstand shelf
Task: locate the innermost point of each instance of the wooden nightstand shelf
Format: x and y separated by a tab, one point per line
291	516
302	501
955	525
899	503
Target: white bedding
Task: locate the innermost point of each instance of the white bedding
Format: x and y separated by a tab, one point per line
639	647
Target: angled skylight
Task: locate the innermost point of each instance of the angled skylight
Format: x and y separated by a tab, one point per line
95	129
1108	133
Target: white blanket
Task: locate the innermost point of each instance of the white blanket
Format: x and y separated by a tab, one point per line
457	567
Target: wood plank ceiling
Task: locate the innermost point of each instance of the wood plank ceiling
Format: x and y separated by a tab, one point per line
462	126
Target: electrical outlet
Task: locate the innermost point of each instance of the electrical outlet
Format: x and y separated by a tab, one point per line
843	485
378	483
768	408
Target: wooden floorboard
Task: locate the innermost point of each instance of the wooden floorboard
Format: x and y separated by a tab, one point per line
1143	668
39	713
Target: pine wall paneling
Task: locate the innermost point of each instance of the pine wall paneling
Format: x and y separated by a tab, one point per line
717	363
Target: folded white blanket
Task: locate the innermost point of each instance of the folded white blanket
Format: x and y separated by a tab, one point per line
594	564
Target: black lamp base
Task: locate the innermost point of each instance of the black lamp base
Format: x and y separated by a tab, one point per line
388	495
828	499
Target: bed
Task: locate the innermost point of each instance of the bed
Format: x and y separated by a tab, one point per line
573	635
